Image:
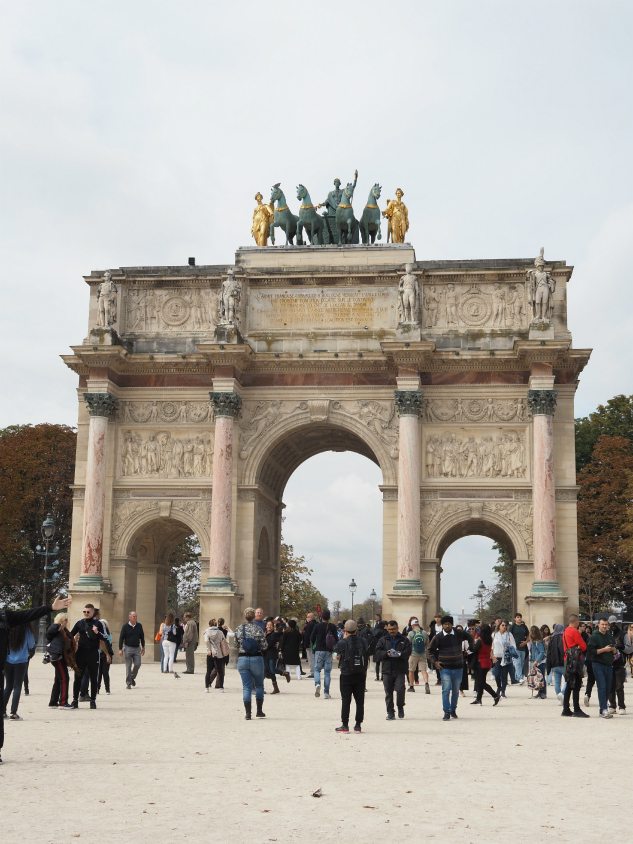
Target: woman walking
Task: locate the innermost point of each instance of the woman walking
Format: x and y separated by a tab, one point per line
104	665
502	642
61	648
483	664
251	643
214	639
290	648
170	642
555	661
271	655
21	641
537	657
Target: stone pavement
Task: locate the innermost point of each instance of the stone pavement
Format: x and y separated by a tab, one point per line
164	761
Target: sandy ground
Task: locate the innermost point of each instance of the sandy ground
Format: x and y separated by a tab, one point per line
165	760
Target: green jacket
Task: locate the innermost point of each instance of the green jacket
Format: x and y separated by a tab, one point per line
600	640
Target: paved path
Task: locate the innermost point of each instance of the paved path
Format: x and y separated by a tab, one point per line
164	761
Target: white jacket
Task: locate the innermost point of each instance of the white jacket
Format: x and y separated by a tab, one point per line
212	637
497	647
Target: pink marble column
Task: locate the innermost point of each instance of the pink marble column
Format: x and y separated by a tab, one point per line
225	406
100	406
542	404
408	405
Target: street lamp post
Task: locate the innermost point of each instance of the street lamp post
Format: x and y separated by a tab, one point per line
373	597
480	592
48	532
352	588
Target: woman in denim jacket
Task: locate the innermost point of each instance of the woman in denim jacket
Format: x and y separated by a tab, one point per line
537	657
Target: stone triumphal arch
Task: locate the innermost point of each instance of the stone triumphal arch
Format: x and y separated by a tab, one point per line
202	388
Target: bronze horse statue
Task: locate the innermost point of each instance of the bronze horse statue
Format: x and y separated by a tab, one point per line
345	222
284	218
370	221
309	220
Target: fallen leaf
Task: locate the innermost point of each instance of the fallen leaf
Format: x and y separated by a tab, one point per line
101	801
518	745
317	793
371	807
264	811
408	792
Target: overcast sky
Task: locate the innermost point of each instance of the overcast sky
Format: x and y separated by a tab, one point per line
138	133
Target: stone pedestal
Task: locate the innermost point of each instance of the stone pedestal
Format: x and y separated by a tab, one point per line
104	337
546	609
101	406
229	334
408	602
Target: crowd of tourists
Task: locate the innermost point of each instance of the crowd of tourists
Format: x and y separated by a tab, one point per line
491	657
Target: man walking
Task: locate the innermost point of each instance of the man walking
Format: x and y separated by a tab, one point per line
573	646
351	652
447	653
393	651
519	630
417	661
259	619
324	637
602	650
132	640
90	640
190	641
307	637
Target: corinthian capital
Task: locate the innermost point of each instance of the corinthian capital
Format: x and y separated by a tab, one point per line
226	404
101	404
408	402
542	402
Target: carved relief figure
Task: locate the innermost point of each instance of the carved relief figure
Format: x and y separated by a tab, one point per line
265	415
541	287
431	305
498	306
167	456
230	299
448	456
106	301
451	305
408	297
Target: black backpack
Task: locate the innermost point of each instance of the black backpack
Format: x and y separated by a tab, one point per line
354	657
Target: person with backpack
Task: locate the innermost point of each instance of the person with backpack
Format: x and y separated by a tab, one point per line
251	643
574	646
352	656
537	658
393	651
323	640
363	630
555	661
419	639
380	630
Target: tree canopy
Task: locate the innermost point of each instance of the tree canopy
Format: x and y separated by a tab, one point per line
184	578
613	420
37	464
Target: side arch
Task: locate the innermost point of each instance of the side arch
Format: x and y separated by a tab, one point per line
471	521
178	522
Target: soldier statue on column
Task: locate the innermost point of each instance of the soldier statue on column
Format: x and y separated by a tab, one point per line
541	286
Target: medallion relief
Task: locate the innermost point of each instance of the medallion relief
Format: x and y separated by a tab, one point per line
149	311
160	454
475	410
459	455
492	306
148	412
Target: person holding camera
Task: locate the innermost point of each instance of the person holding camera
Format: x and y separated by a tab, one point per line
393	651
90	640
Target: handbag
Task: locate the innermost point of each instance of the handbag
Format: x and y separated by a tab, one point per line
535	680
158	636
224	647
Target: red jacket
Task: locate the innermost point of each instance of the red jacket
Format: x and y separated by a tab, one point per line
483	655
571	637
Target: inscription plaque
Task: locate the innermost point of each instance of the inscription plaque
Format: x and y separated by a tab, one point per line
309	309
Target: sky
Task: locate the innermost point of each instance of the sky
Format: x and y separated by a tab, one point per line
138	133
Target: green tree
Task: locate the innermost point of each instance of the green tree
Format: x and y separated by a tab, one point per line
613	420
604	518
298	595
497	600
362	610
184	578
37	464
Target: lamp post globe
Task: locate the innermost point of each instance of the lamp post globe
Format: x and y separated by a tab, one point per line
352	588
480	591
373	597
48	528
48	532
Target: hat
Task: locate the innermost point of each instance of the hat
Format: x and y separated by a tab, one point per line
613	619
414	621
447	619
350	626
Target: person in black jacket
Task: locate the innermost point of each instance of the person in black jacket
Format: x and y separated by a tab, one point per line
555	661
311	623
132	639
393	651
380	630
13	618
90	640
447	654
351	652
434	628
61	650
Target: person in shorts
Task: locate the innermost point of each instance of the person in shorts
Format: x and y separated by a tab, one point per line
419	639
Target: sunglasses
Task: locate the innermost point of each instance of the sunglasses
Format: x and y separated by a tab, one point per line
86	612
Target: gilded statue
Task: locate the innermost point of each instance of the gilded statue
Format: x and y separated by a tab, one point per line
263	216
541	287
397	214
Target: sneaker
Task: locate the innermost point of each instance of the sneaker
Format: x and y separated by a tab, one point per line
133	682
497	699
410	689
453	713
66	706
621	711
447	716
128	685
107	693
53	706
327	696
357	728
74	704
611	710
317	691
342	729
390	716
438	683
220	690
606	714
580	714
521	682
586	701
15	717
567	713
561	697
401	712
476	703
310	676
93	705
427	691
207	691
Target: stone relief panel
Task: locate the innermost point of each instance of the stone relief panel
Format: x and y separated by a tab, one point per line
491	306
124	512
162	454
379	417
127	511
435	512
170	310
475	410
174	412
499	454
256	418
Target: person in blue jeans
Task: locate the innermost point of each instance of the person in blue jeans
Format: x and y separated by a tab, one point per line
323	638
537	657
21	641
251	644
555	662
446	652
601	650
